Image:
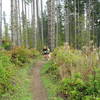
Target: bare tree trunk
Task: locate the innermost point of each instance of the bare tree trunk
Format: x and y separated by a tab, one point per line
34	25
26	27
75	17
19	23
12	20
89	18
16	23
23	24
66	24
51	24
42	23
5	26
0	22
78	22
38	25
93	21
57	23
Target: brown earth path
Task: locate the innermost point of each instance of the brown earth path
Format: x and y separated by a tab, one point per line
39	92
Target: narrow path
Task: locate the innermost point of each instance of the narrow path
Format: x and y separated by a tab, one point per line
39	92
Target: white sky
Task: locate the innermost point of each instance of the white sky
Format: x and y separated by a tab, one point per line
6	7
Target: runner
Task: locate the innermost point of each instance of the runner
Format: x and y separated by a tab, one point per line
46	52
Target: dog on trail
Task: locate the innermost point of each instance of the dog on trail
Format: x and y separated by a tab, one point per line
47	56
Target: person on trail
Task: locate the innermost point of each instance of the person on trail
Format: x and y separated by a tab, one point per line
46	52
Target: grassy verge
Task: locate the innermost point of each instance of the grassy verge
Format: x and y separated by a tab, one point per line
22	84
51	85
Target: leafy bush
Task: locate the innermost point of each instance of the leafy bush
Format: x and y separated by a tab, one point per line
34	53
6	74
6	44
51	70
9	61
50	77
78	89
20	55
68	62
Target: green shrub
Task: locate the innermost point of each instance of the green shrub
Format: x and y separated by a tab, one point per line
6	74
9	62
20	55
78	89
6	44
68	61
51	69
34	52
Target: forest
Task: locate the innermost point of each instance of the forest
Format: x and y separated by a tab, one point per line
49	49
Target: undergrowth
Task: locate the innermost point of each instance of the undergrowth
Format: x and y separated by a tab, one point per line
22	84
50	81
14	78
73	74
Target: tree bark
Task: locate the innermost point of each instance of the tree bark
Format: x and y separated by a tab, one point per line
0	22
34	25
42	23
51	24
66	24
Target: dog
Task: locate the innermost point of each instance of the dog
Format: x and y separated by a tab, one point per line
47	56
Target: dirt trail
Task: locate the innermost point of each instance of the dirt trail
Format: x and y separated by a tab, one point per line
39	92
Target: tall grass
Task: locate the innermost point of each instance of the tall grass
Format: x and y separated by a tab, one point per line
75	73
